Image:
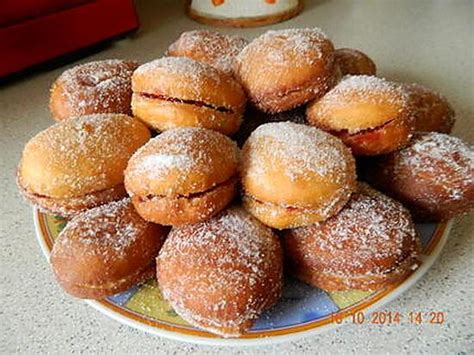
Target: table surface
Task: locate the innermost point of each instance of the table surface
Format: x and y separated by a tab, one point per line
430	42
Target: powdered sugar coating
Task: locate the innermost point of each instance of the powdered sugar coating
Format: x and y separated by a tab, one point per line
182	66
230	271
284	69
80	156
157	165
190	74
364	86
284	216
187	81
233	229
353	61
214	48
372	235
111	230
182	161
361	102
432	111
447	160
307	151
281	46
96	87
414	87
69	207
106	250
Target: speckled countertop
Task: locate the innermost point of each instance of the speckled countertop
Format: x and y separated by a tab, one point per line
430	42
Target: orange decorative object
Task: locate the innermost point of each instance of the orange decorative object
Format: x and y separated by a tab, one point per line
242	13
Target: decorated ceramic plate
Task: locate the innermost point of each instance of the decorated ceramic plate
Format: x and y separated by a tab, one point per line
302	311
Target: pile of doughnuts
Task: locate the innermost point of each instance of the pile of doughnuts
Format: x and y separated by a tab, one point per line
145	164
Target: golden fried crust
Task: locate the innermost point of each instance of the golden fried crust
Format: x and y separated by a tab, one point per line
163	115
291	98
354	62
295	165
220	275
111	288
186	79
310	192
381	140
357	103
432	176
105	250
284	69
69	207
214	48
333	282
370	244
371	115
433	112
74	158
181	162
281	217
95	87
179	210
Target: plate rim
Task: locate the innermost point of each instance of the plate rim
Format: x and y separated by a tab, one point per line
106	307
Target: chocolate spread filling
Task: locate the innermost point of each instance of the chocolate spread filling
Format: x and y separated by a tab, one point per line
189	102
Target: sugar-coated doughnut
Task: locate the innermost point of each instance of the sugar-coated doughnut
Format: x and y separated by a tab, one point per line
371	115
79	164
432	111
283	69
354	62
184	175
369	245
106	250
211	47
433	176
294	175
176	92
103	86
220	275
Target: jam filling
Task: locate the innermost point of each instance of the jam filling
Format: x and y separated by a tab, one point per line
345	132
35	194
189	102
190	196
288	208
